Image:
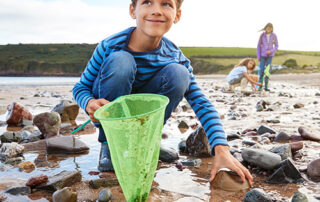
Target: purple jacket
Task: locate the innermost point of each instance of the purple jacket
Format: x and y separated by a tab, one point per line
264	46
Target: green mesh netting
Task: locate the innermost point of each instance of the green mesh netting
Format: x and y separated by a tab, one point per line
133	125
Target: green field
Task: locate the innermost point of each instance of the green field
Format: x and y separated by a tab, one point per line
71	59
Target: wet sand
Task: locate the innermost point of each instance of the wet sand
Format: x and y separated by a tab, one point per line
192	184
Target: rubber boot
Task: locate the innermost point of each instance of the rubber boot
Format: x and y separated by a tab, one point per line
260	81
105	163
266	82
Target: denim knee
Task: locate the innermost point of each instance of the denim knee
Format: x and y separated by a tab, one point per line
178	78
119	65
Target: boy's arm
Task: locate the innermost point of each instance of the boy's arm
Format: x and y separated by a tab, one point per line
211	123
82	91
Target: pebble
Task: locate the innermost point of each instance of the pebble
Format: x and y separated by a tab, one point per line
105	195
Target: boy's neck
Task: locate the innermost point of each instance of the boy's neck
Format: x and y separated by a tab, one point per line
140	42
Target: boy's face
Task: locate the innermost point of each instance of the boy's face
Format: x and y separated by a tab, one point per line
155	17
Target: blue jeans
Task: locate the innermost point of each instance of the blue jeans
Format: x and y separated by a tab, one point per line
264	62
117	75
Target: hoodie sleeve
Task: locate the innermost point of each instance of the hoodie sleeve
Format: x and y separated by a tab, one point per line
275	47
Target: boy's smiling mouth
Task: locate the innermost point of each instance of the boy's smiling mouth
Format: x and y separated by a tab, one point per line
155	21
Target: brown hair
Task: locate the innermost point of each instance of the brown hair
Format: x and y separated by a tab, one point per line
178	2
267	25
245	61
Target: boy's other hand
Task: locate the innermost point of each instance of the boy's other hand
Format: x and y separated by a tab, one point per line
223	159
268	52
93	105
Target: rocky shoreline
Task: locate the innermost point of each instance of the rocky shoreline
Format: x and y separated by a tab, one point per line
274	134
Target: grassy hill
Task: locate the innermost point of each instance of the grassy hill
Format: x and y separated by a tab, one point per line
71	59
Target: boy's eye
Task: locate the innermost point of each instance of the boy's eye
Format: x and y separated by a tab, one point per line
167	4
146	2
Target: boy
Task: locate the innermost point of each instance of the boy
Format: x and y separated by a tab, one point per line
140	60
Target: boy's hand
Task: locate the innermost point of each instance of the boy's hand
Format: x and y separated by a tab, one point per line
93	105
223	159
268	52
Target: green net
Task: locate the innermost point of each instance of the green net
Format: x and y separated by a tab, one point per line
133	125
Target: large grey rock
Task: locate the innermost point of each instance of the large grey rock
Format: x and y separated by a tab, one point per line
61	180
168	154
68	111
11	136
283	150
48	123
261	158
66	145
197	144
287	173
64	195
257	195
282	137
10	150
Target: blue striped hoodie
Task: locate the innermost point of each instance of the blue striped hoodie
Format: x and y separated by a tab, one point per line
148	64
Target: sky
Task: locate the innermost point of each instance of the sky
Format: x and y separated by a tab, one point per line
208	23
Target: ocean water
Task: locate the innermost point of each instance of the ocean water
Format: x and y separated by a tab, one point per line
37	81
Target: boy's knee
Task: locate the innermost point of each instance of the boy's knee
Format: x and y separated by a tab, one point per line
178	77
119	64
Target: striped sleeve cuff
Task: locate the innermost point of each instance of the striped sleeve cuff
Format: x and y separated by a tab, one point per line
218	142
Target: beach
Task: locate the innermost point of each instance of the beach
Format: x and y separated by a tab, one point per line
238	112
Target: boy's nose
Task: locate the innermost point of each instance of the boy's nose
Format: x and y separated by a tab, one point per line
156	9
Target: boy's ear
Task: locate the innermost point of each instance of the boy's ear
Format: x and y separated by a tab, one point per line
178	16
132	11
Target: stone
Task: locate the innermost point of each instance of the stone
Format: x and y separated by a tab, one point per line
197	144
17	113
264	129
191	162
18	190
66	145
313	170
231	137
185	107
282	137
36	181
283	150
299	197
11	136
261	158
309	136
183	125
14	160
105	195
3	197
179	166
39	145
68	111
48	123
64	195
296	146
103	182
44	160
10	150
298	105
256	195
61	180
259	108
251	133
168	154
248	142
24	122
287	173
28	165
182	146
273	121
229	181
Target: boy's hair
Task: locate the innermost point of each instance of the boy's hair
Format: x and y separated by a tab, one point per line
245	62
178	2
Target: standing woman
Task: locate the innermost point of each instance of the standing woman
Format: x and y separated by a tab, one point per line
267	46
